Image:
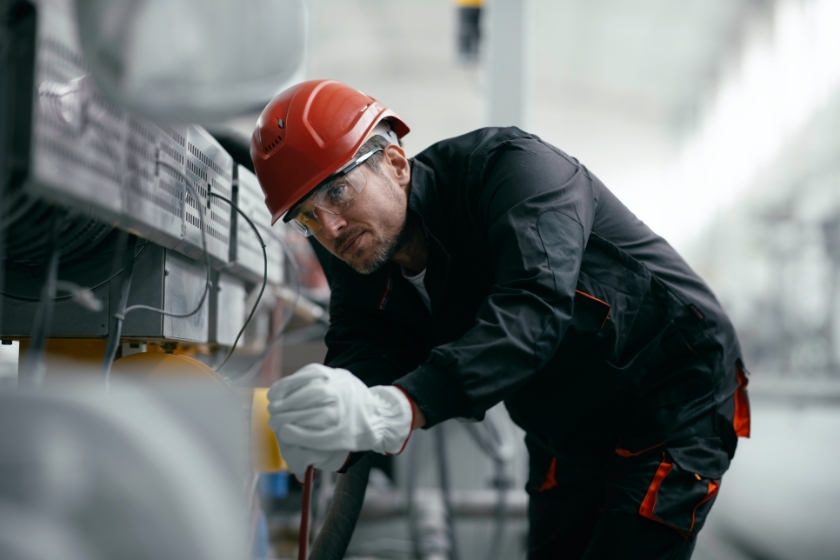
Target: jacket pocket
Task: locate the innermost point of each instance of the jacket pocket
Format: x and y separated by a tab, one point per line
608	275
685	484
590	316
679	498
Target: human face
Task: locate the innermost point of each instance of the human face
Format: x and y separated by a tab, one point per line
368	232
333	196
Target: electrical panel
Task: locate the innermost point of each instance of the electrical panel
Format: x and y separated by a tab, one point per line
68	153
227	308
92	156
154	188
246	258
22	285
210	169
165	279
162	279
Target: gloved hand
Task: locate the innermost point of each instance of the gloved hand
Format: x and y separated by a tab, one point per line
328	412
298	458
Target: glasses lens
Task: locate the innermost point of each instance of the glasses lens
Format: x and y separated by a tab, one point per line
336	196
295	225
308	221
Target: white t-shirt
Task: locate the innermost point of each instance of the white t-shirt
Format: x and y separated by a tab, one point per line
417	282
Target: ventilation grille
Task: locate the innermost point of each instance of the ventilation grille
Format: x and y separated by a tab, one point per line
212	164
175	135
120	168
177	156
246	254
209	169
192	166
271	146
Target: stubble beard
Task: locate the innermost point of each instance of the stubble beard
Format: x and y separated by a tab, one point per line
381	251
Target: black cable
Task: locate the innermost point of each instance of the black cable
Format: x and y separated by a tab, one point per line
238	147
32	364
90	289
248	372
346	505
265	276
115	329
198	205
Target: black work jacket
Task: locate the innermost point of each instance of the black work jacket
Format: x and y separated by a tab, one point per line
546	293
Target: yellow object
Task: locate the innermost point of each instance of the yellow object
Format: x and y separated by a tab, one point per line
469	3
265	453
154	365
70	358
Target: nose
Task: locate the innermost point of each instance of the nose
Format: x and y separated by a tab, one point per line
331	224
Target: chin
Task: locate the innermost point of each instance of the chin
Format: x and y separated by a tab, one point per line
366	267
374	261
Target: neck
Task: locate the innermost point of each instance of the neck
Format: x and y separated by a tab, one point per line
412	254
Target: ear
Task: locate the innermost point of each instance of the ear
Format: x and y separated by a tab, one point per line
394	156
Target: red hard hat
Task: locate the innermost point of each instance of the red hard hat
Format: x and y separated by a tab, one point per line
306	133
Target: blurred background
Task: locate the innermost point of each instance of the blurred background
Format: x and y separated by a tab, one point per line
717	122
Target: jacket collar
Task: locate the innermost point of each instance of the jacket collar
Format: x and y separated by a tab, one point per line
423	202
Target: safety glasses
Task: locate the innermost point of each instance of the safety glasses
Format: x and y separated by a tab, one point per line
333	196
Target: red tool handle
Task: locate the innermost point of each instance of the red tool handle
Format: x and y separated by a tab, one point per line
303	537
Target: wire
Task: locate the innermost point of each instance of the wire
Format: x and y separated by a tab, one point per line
117	318
248	373
287	319
64	286
345	507
198	205
323	493
32	365
80	295
264	280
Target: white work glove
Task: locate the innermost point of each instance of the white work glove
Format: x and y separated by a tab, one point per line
320	414
298	458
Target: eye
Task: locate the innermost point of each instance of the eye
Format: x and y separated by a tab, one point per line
335	193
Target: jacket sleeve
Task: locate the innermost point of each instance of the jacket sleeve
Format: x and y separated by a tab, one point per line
362	339
536	206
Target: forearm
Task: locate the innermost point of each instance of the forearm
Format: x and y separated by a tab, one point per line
419	419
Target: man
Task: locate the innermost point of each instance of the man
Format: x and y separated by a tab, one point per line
493	267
